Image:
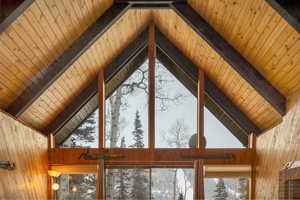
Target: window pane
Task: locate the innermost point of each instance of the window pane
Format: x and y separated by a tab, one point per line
134	183
175	111
226	188
86	135
76	187
214	130
172	183
127	183
127	112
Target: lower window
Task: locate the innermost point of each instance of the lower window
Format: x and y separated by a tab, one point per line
226	188
76	186
149	183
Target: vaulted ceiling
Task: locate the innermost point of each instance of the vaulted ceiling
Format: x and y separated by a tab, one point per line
48	27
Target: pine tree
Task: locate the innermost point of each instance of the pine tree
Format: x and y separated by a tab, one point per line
138	132
221	193
180	196
242	189
139	188
85	133
124	180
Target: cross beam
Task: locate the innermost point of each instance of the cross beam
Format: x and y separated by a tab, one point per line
143	157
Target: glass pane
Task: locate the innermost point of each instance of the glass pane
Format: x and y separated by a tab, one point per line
134	183
127	112
214	130
86	135
76	187
175	111
172	183
226	188
127	183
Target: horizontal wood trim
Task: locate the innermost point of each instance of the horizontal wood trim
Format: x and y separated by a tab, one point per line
215	94
70	156
52	72
232	56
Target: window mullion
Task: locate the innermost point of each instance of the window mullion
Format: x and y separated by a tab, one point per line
152	57
200	104
101	90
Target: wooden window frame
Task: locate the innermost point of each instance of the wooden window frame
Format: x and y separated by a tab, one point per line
152	157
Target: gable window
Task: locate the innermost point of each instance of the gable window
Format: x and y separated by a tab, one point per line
149	141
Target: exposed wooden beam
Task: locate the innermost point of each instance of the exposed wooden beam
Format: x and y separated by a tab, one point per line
11	10
289	10
123	59
232	56
52	72
211	90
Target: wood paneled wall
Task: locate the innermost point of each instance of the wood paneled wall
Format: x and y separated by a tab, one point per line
275	148
28	149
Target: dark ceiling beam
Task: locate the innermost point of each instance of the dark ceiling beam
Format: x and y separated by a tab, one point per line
125	57
232	56
52	72
289	10
211	89
10	10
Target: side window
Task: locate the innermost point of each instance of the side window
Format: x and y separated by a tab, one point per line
85	135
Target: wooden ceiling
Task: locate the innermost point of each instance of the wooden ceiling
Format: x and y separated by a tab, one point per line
48	27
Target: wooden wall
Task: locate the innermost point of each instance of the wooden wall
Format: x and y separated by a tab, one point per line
28	149
277	147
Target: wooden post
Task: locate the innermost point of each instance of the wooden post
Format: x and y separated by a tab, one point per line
201	95
151	75
101	180
252	146
101	89
199	180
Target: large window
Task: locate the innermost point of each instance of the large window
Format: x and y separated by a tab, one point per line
76	187
149	183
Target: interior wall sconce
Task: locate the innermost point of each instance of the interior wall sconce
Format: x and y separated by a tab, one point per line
54	175
7	165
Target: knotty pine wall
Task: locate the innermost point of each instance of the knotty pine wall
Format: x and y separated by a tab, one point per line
28	149
277	147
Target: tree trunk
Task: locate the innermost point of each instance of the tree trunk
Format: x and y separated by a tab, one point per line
115	107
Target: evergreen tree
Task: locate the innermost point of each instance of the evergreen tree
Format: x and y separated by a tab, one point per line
123	184
138	132
84	135
242	189
139	189
221	193
180	196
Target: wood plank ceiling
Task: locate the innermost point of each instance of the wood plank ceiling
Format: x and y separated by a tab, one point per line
48	27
